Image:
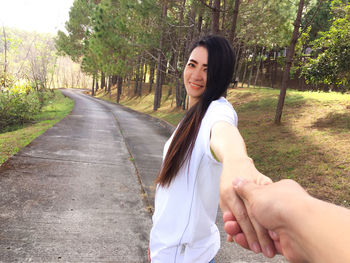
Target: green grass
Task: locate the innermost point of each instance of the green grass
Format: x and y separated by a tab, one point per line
21	135
311	146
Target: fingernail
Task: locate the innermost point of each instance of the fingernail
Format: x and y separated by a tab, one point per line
269	252
256	247
273	235
237	182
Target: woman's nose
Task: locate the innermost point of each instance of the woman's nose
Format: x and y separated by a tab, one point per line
197	74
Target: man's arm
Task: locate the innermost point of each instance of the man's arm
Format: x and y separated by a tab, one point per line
307	229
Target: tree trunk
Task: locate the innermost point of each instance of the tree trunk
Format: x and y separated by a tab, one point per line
129	85
178	54
223	20
151	77
237	60
252	66
259	66
139	89
244	73
96	84
119	87
103	80
158	87
144	75
215	17
137	77
5	65
234	21
199	24
93	85
109	86
289	60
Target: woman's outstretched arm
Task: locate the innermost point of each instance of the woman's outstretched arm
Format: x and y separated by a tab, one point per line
229	147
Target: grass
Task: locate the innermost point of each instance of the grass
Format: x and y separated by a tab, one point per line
311	145
21	135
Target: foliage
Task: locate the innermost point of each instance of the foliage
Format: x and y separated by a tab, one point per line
331	62
15	137
318	18
5	79
20	103
29	55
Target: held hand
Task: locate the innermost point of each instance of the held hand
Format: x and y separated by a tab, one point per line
246	231
274	198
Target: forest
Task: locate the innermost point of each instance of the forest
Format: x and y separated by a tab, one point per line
299	44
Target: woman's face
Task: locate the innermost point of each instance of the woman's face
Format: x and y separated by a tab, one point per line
195	74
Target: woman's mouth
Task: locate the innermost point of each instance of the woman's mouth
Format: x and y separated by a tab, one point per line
195	85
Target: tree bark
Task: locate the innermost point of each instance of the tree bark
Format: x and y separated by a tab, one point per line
215	17
109	86
5	65
244	73
139	88
158	87
252	65
145	74
259	66
234	21
119	87
289	60
151	77
96	84
93	85
103	80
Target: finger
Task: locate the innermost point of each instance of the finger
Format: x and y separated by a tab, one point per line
241	240
273	235
228	216
245	224
244	188
232	228
278	247
229	238
266	243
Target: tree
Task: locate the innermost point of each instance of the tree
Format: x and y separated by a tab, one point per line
289	58
160	61
5	56
331	63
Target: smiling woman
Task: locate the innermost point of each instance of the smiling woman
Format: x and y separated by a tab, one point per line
191	180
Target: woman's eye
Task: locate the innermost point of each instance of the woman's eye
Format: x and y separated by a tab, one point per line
190	65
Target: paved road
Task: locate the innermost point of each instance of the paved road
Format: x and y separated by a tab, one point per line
81	192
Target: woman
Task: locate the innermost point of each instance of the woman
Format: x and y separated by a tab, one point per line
205	145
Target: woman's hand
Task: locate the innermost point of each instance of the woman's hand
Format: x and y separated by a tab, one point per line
246	231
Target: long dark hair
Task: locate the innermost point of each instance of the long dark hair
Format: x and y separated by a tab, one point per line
221	61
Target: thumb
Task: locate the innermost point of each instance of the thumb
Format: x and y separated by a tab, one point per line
244	188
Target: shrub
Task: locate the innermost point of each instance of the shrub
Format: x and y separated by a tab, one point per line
18	104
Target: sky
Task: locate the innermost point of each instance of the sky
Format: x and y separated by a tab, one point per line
43	16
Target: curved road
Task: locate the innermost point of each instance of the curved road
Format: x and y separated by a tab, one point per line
82	191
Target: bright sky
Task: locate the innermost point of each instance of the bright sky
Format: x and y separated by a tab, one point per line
35	15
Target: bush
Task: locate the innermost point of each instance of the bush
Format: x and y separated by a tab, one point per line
19	104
